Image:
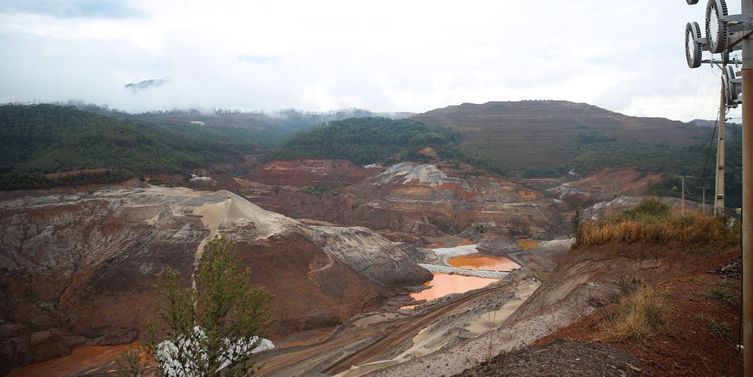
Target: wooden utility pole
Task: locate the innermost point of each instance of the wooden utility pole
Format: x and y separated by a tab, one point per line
720	145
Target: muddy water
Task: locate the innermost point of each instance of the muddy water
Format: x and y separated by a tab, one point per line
444	284
83	360
483	262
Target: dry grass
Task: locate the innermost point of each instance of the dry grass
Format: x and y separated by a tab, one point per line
651	221
639	316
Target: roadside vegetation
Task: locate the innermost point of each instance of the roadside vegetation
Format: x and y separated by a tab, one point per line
652	221
638	317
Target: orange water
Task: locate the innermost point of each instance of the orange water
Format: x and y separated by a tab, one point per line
83	360
444	284
483	262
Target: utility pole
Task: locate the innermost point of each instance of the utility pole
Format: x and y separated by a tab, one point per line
720	145
682	197
703	190
747	8
682	201
725	34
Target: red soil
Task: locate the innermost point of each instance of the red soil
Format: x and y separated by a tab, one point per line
690	346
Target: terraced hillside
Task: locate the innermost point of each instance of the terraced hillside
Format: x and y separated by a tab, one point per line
551	136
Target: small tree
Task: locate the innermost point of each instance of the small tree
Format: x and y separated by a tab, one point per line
211	329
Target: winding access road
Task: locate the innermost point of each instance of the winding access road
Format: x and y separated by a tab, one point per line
358	345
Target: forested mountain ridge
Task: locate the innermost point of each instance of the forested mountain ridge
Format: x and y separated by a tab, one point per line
40	139
370	140
536	138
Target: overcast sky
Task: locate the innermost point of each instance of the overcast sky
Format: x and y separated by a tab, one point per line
408	55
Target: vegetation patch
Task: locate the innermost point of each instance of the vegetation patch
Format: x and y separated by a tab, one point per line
639	316
652	221
722	295
722	329
43	139
317	191
368	140
364	141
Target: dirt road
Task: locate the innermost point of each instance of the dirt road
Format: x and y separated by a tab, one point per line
363	340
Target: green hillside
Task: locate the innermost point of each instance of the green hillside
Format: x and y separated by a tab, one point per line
269	130
368	140
40	139
548	138
536	138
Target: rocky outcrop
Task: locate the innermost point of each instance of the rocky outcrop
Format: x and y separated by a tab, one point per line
424	200
606	185
79	268
384	262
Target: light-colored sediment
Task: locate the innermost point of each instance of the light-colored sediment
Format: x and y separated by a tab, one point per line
470	323
437	268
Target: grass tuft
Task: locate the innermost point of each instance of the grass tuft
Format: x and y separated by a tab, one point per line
639	316
722	329
724	297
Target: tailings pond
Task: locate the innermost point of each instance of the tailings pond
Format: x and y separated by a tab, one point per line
460	270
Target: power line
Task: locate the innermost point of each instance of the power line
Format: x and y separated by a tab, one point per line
708	150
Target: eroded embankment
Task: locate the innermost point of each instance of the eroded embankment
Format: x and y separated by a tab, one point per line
588	280
377	340
70	261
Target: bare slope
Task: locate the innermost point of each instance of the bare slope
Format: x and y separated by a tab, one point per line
78	269
589	280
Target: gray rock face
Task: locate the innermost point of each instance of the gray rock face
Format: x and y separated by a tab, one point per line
80	268
386	263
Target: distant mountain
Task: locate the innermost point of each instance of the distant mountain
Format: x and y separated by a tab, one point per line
551	137
110	145
703	123
146	84
270	129
709	123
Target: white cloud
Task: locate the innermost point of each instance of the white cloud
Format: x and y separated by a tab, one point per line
382	55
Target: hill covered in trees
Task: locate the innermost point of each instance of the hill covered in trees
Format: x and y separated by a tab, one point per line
40	139
369	140
269	130
548	138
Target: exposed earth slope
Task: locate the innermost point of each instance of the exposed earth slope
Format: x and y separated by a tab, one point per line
591	279
415	199
69	262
